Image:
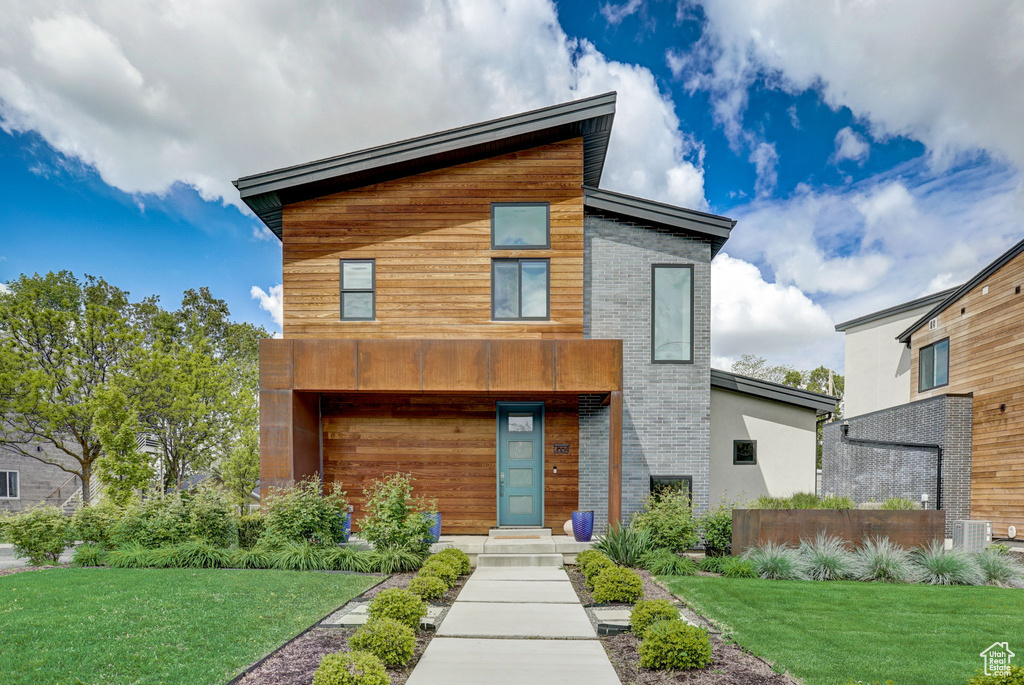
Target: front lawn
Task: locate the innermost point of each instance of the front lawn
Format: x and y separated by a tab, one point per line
837	632
156	626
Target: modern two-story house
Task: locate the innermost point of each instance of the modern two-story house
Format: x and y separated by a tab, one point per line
472	308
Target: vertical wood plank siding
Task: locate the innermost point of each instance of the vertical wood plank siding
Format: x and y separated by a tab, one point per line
986	358
448	443
430	237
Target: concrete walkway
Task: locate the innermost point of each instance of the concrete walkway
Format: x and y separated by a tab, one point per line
522	624
8	560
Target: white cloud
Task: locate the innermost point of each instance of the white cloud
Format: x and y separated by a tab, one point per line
951	77
272	302
614	14
850	146
766	162
157	93
4	289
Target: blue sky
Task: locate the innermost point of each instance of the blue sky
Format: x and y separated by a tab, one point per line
870	153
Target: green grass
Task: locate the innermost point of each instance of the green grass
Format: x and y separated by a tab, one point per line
156	626
830	633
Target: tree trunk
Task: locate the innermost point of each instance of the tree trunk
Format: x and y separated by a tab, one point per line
86	483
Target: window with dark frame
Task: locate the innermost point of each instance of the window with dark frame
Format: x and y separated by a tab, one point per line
9	485
661	485
358	281
933	365
520	289
672	313
520	225
744	451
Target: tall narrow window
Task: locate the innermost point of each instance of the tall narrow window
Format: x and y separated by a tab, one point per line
672	313
519	289
520	225
9	485
933	366
358	285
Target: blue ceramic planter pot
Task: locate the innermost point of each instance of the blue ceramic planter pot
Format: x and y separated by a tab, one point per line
583	525
435	527
348	525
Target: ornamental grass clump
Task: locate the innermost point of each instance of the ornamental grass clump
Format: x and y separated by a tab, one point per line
400	604
618	584
201	555
625	545
89	555
647	612
826	558
736	567
663	562
392	642
711	564
257	557
940	566
879	559
351	668
350	559
132	555
999	569
456	557
899	504
428	587
772	561
299	556
396	560
675	645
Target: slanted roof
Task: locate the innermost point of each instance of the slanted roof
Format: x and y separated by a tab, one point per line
710	226
776	392
957	293
589	118
895	309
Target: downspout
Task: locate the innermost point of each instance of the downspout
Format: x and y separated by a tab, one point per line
845	437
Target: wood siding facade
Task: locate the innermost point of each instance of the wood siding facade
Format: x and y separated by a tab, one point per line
986	359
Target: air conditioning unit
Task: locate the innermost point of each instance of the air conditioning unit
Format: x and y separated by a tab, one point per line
972	536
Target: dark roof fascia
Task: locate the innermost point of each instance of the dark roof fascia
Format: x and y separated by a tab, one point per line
776	392
895	309
590	118
712	227
967	287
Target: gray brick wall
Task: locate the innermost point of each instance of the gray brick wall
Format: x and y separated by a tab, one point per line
37	480
866	472
666	407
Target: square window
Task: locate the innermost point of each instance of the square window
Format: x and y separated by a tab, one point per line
519	289
520	225
665	485
357	280
744	451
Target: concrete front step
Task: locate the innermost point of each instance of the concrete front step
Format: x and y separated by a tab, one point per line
498	546
522	533
505	560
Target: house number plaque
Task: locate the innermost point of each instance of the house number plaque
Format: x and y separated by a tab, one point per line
561	448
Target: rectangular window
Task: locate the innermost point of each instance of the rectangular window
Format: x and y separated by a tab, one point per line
358	285
672	313
519	289
520	225
933	366
8	485
661	485
744	451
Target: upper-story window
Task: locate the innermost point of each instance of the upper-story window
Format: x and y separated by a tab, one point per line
358	290
933	366
672	313
520	225
519	289
9	485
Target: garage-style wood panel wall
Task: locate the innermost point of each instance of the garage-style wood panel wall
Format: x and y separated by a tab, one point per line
986	358
430	235
448	444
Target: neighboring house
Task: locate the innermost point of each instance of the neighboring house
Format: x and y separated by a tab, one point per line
960	439
470	307
26	482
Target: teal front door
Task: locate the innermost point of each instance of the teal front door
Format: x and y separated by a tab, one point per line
520	464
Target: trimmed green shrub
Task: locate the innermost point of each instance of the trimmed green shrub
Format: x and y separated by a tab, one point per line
250	528
662	562
804	500
675	645
647	612
715	526
257	557
201	515
625	545
582	557
351	559
300	556
304	513
776	562
396	560
899	504
998	568
735	567
93	524
88	554
351	668
826	558
837	502
940	566
394	518
594	568
881	560
132	555
669	520
1014	677
456	557
618	584
711	564
201	555
441	570
400	604
428	587
392	642
40	534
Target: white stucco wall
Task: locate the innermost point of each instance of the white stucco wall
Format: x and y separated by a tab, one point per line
786	447
877	365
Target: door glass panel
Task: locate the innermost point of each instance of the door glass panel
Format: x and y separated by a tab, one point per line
520	226
520	504
535	288
357	276
520	423
506	289
520	478
357	305
520	449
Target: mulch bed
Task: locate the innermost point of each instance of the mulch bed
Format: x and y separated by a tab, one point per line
730	665
295	662
23	569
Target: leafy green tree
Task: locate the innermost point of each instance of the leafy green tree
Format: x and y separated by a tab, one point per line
240	469
123	468
757	367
